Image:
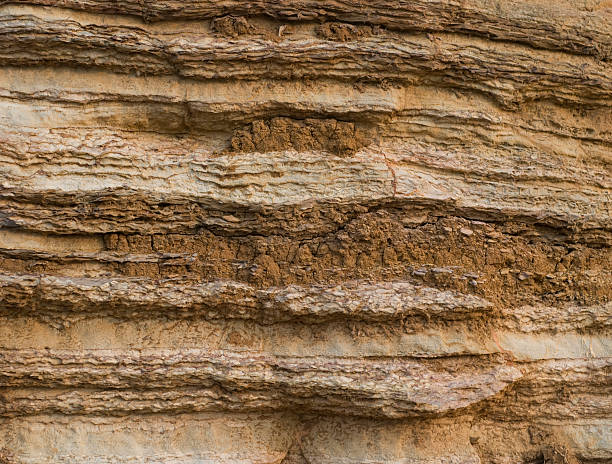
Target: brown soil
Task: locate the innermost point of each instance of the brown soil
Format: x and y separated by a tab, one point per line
277	134
506	264
343	32
233	26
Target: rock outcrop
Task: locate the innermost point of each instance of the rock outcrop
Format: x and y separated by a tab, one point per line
306	232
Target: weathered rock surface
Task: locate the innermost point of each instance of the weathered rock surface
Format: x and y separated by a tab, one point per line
305	232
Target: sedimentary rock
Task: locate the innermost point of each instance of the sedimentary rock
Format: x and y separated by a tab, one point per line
305	231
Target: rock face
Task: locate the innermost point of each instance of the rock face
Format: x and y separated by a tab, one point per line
306	231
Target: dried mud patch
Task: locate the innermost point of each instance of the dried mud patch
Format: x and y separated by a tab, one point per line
342	32
232	26
238	26
340	138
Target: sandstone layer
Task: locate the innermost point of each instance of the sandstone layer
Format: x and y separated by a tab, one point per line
306	232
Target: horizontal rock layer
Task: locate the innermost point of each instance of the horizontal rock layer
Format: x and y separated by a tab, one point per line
305	232
567	26
510	75
200	381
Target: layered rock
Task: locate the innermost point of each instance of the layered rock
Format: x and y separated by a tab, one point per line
305	232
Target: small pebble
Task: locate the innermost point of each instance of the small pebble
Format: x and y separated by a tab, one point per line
465	231
439	270
524	275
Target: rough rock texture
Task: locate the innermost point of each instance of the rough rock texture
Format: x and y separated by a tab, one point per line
306	231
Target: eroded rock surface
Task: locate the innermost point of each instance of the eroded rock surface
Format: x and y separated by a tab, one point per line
305	232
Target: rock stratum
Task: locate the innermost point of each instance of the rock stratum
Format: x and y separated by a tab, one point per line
306	232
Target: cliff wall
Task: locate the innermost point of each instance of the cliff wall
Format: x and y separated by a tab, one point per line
306	231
